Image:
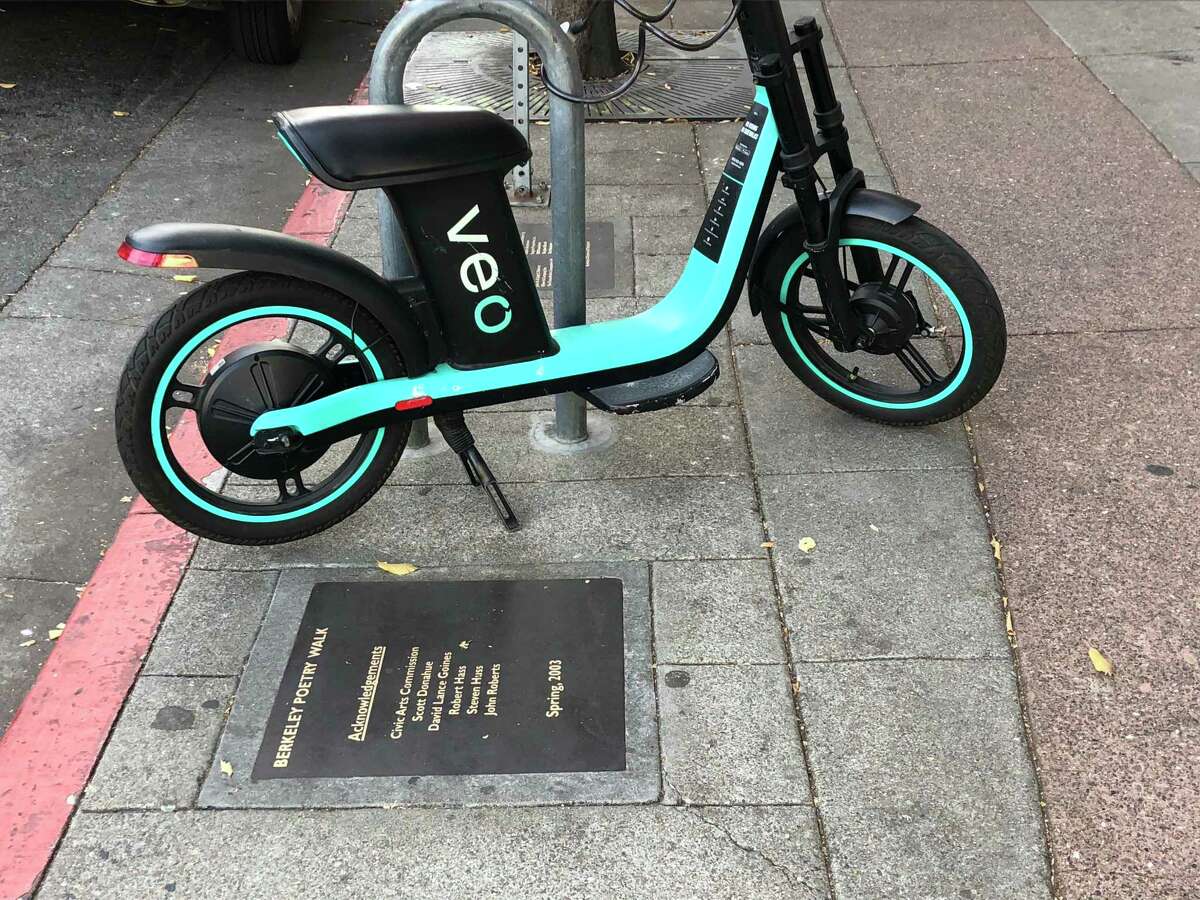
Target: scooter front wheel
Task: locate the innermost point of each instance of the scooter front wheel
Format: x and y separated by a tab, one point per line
210	365
937	330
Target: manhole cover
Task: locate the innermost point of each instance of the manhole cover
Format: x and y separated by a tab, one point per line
476	69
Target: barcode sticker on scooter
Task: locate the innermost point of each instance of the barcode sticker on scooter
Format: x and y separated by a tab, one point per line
711	239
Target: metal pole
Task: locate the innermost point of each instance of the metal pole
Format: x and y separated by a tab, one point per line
522	182
397	44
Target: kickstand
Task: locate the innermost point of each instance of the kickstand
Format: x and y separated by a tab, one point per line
461	441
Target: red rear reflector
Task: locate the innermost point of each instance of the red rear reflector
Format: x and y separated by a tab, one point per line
414	403
155	260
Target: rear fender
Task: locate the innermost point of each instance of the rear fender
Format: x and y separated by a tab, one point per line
255	249
878	205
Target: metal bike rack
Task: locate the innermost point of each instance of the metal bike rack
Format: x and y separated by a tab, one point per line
396	45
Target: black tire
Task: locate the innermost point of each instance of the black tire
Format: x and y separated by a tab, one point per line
931	247
265	31
148	364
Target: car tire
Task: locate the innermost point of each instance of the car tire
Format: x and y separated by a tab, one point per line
265	31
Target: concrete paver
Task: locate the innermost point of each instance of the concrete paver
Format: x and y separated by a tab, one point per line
729	736
921	775
1162	90
792	430
1100	27
161	746
652	851
716	611
211	624
901	567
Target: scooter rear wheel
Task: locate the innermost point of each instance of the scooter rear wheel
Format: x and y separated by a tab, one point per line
214	361
941	336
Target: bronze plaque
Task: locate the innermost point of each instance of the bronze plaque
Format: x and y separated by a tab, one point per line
451	678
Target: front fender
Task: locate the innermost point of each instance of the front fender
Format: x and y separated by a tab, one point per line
879	205
256	249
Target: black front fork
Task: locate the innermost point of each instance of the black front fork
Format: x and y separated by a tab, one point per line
799	148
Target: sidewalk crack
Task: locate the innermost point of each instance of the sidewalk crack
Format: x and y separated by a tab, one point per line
792	878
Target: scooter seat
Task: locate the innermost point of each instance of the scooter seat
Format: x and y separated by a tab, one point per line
357	147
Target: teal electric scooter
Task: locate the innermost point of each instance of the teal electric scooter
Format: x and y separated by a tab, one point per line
875	310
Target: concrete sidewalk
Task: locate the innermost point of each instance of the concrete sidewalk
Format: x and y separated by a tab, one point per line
845	722
840	722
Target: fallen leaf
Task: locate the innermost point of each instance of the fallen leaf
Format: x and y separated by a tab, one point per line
873	527
807	545
120	113
127	499
226	768
27	643
767	545
186	279
1008	626
397	568
464	644
1100	662
7	85
54	634
996	549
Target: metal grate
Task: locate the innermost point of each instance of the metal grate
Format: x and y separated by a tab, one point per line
476	69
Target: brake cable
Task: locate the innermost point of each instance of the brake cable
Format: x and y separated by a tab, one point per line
646	22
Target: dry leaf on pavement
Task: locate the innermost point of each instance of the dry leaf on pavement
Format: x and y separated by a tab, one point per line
996	549
397	568
226	768
807	544
1100	662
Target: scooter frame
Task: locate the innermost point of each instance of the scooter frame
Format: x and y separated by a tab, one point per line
778	137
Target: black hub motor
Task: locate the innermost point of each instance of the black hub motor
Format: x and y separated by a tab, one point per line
888	318
247	383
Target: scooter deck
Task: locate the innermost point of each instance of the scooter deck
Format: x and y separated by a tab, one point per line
690	380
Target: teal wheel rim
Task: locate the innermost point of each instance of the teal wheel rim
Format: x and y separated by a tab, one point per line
170	466
964	364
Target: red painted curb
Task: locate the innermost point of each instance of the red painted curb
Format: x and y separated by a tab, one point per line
50	748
